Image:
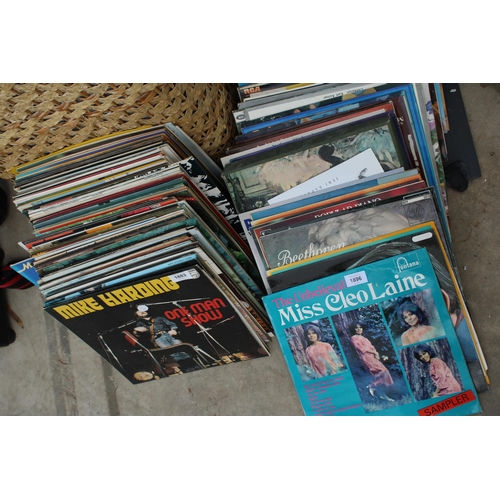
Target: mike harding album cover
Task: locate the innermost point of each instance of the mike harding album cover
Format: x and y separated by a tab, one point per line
161	325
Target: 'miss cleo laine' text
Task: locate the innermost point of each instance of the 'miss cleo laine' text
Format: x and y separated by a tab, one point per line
293	310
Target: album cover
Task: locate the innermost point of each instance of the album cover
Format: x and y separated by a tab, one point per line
346	356
162	325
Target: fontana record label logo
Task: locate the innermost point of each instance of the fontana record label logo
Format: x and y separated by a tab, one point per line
406	262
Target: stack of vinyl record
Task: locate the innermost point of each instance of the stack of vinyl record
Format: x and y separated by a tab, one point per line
340	189
138	251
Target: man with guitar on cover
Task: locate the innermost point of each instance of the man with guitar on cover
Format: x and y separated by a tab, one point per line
161	330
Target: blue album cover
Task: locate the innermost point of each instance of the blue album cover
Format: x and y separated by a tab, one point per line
26	269
374	340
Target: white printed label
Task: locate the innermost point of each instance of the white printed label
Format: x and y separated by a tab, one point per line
356	278
185	275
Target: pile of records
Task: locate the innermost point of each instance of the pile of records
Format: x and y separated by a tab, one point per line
341	194
138	251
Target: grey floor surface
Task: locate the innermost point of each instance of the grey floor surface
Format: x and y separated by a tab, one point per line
50	371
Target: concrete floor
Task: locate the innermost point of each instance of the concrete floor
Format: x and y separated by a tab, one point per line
50	371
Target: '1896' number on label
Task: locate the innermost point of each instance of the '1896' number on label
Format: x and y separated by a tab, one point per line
356	278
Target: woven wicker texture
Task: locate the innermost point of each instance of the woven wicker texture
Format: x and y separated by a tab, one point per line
39	119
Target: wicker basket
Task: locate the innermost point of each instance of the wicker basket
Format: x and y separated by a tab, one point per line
39	119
